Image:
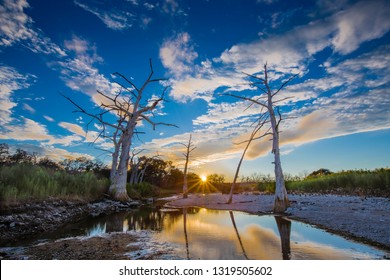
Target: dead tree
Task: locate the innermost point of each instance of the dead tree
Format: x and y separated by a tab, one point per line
189	148
129	108
281	202
134	167
261	122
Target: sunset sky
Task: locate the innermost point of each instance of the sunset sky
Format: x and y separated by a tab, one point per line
338	116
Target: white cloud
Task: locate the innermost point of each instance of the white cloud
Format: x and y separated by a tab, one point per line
74	128
29	108
178	55
116	19
77	44
365	21
25	129
89	136
50	119
80	73
17	27
10	81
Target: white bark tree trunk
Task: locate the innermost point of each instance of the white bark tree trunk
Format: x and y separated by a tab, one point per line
185	183
118	183
189	148
281	202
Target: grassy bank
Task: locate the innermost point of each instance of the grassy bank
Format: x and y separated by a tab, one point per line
26	182
353	182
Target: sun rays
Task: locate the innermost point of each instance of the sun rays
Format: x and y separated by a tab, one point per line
201	185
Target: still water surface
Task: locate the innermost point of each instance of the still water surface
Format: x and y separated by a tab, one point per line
198	233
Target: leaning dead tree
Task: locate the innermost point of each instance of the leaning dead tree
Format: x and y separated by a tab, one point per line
262	120
130	107
268	102
189	148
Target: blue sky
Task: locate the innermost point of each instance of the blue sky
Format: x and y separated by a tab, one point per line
338	115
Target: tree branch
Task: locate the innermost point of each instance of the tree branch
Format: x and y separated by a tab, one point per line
245	98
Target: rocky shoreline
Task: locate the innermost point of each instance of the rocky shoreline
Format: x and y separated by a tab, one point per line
364	219
29	219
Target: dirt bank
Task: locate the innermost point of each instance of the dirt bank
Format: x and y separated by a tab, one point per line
29	219
366	219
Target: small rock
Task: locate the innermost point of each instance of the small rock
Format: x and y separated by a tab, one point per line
12	225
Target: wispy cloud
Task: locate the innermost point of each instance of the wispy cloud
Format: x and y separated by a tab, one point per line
25	129
89	136
17	27
29	108
177	55
50	119
114	18
10	81
80	72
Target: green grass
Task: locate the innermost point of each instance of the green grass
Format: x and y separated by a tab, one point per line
26	182
353	182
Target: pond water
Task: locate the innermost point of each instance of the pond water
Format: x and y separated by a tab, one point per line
198	233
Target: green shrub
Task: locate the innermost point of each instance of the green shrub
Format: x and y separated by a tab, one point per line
141	190
267	187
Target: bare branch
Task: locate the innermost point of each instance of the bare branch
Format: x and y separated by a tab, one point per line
127	80
285	83
95	116
254	77
245	98
125	88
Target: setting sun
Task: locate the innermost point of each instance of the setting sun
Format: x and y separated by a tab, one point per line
203	178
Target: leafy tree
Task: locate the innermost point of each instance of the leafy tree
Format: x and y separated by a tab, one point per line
82	164
48	163
4	153
216	179
320	172
22	156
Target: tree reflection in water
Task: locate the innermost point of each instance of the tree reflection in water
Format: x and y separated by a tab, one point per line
238	235
284	227
115	222
185	231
